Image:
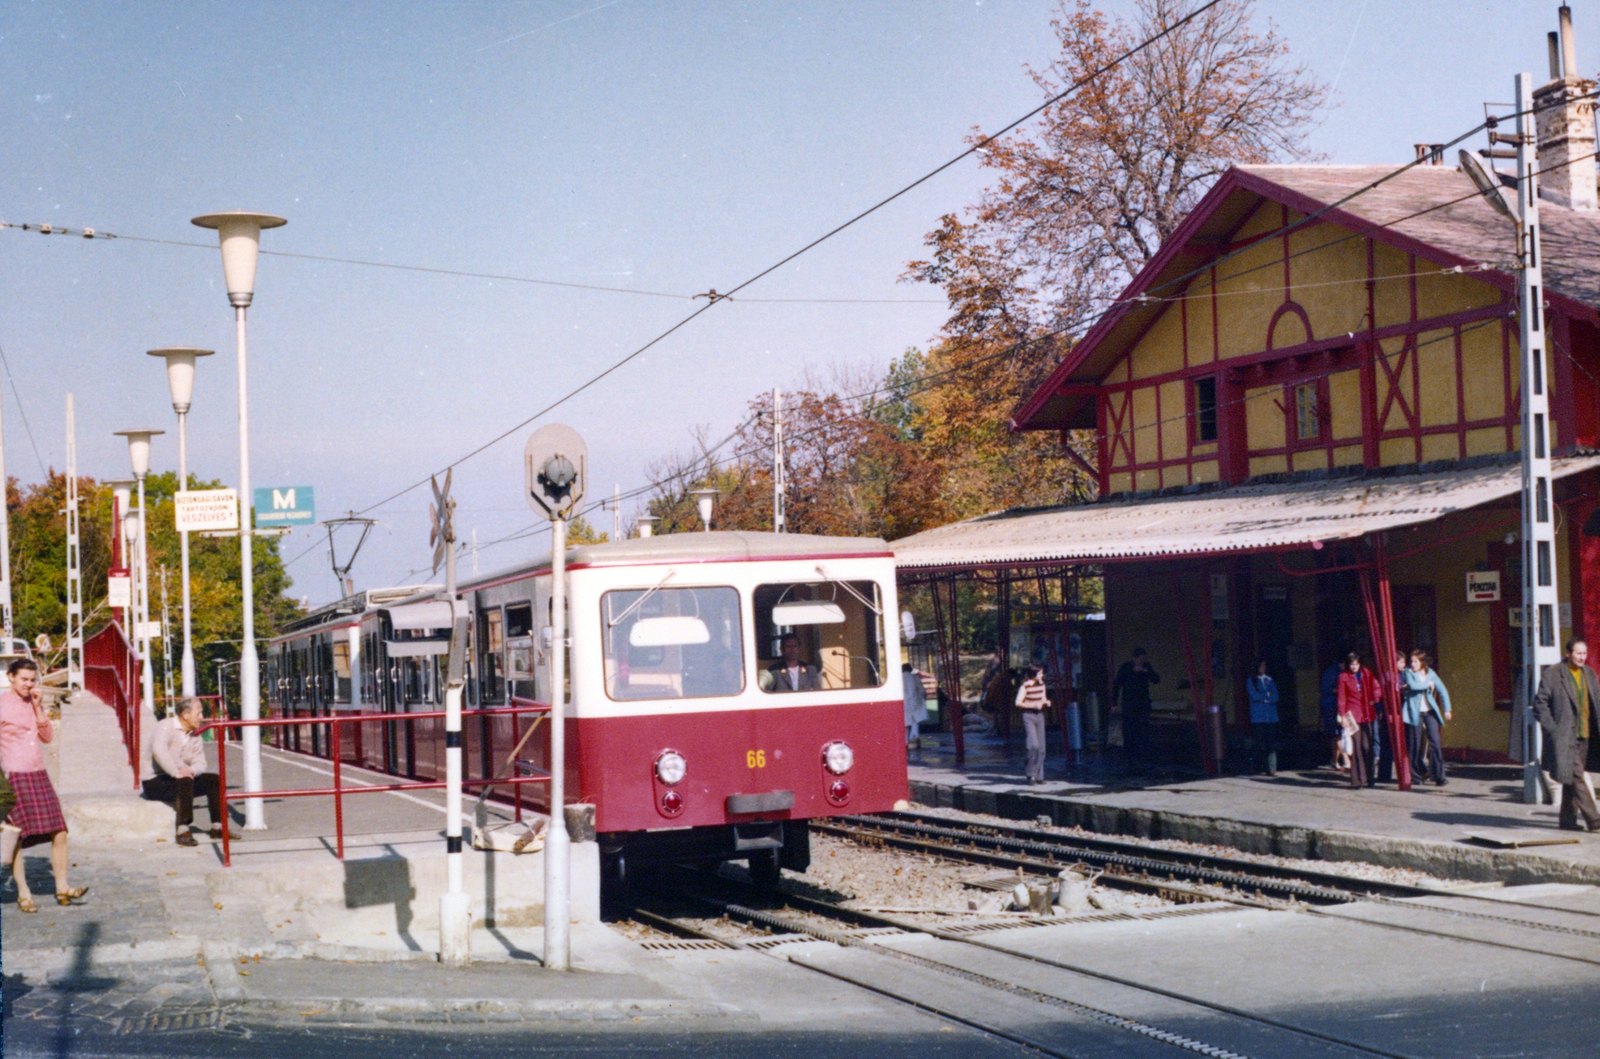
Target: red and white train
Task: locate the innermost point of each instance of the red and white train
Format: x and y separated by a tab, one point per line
723	688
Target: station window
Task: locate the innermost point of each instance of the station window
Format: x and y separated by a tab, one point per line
671	643
820	635
1205	409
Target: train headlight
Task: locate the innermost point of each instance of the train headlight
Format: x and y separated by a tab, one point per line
838	757
670	767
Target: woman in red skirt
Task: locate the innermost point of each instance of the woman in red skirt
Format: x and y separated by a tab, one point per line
24	728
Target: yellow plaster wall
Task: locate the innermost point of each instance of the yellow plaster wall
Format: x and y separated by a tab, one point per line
1143	612
1174	420
1392	291
1160	352
1202	350
1264	417
1326	278
1482	353
1344	403
1144	432
1463	628
1436	362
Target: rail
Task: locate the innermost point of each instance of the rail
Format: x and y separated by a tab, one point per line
111	674
338	790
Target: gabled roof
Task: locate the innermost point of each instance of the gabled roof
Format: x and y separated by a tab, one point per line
1415	212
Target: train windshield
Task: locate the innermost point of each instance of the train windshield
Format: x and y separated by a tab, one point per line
672	643
820	635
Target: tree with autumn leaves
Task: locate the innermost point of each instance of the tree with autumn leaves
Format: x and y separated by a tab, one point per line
1082	198
39	570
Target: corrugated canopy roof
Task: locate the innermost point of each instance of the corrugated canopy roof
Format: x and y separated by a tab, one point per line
1243	518
1415	211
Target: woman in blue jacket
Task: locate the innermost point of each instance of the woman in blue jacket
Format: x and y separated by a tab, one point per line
1426	707
1263	693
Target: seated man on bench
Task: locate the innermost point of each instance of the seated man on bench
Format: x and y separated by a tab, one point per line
179	759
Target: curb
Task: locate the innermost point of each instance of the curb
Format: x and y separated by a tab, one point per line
469	1011
1443	859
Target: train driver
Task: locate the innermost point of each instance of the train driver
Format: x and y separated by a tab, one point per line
791	674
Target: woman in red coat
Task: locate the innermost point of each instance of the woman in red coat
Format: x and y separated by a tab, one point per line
1358	691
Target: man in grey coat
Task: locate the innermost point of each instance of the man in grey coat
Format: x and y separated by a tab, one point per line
1568	708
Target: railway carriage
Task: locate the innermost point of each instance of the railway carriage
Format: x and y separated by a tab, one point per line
723	688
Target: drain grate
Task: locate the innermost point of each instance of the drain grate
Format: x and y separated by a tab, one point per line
779	939
683	945
159	1023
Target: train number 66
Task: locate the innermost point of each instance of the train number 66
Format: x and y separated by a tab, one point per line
756	759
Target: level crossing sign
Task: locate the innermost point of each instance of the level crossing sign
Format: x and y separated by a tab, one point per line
292	505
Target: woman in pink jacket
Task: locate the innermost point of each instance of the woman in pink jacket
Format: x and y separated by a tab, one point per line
24	729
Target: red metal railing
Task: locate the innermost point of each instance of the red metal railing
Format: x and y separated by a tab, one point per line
111	673
338	790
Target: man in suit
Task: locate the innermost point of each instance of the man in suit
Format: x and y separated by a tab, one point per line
1568	708
791	674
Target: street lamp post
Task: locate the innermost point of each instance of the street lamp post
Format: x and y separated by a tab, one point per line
139	457
180	380
240	236
705	498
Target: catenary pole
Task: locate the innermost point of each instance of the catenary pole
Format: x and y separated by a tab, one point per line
74	561
779	483
5	539
1540	604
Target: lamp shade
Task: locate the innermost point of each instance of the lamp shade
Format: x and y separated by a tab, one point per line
122	490
705	498
180	373
130	527
646	525
139	449
240	234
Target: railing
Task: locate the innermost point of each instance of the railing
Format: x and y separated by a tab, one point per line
338	790
111	672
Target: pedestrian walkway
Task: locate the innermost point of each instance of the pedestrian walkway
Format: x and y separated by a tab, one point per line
1476	827
167	933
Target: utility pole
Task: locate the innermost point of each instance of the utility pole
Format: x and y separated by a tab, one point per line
616	511
780	482
6	628
1540	603
166	638
74	562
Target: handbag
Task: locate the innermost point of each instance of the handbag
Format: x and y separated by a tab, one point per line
1114	730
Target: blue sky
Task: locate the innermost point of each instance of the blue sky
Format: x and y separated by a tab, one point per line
668	147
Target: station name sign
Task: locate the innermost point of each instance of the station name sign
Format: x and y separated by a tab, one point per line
293	505
198	510
1483	586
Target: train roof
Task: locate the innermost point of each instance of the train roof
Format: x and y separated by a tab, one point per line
341	611
718	545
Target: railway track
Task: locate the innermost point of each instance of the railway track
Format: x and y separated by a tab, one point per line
1188	876
910	977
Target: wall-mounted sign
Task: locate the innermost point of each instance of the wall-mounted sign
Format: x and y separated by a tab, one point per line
1483	586
292	505
119	591
198	510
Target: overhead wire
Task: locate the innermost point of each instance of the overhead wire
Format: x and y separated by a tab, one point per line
23	412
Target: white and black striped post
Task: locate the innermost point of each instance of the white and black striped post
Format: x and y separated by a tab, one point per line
455	905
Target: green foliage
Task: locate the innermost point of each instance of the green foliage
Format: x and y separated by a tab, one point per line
39	570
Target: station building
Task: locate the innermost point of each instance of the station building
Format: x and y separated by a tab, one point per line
1307	428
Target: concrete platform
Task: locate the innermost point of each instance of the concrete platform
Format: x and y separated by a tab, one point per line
1311	813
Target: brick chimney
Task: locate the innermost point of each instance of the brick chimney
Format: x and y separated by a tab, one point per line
1565	127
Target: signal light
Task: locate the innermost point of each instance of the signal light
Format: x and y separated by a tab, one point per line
672	803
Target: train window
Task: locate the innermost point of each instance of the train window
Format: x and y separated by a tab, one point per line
670	643
519	620
341	671
491	635
820	635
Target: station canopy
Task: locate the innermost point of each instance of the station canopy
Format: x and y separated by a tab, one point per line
1243	518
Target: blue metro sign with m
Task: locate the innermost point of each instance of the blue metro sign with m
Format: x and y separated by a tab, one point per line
293	505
